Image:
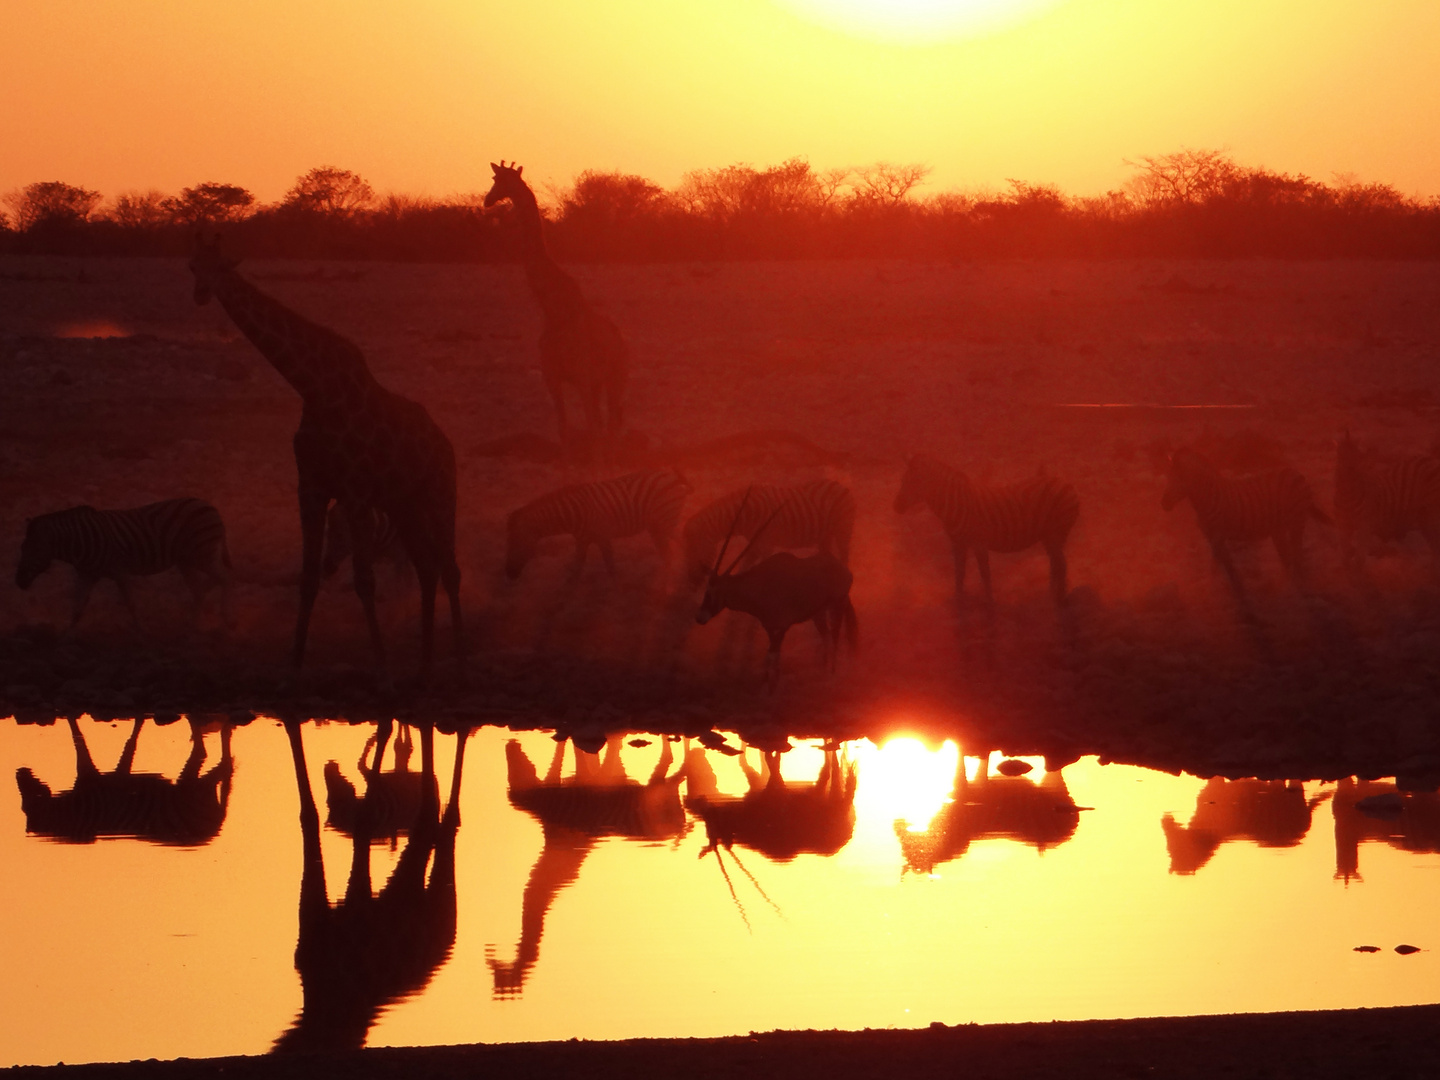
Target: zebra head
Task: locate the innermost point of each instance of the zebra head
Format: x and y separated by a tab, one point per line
508	183
206	263
36	553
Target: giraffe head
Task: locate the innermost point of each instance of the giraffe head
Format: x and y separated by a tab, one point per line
207	263
509	183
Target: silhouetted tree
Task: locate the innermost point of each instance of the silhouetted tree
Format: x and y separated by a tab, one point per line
1186	176
51	203
209	202
140	210
330	191
884	184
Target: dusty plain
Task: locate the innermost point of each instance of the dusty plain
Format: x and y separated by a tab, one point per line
120	391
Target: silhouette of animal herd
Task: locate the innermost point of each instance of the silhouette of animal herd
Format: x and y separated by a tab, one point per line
377	479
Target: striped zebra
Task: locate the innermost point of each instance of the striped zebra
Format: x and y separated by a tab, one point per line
1010	518
1386	502
385	542
187	811
598	513
120	544
1273	504
820	514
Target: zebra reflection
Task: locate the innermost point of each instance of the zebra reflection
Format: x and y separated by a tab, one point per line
1371	811
1042	815
371	950
187	811
1272	813
575	813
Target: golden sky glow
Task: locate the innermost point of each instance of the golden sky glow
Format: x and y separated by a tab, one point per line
168	93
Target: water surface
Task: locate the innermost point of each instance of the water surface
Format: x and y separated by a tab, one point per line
594	907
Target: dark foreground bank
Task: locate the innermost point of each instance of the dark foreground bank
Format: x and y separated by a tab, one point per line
1354	1043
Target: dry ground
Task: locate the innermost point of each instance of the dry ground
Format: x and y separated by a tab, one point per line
969	361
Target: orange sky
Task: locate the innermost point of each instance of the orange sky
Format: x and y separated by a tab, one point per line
119	95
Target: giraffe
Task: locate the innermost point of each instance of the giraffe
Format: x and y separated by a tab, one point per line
578	345
358	444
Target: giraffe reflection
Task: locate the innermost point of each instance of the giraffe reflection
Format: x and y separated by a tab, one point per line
1041	814
780	819
187	811
575	812
391	800
371	950
1271	813
1367	810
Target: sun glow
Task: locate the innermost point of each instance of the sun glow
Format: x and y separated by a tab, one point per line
903	781
919	21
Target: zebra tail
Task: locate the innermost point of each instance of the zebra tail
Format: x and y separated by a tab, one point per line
852	626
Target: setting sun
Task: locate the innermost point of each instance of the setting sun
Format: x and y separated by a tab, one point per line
919	21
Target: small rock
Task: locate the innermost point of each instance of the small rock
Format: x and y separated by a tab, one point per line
1013	767
1366	948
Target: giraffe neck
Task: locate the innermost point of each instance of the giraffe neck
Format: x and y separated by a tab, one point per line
322	366
556	290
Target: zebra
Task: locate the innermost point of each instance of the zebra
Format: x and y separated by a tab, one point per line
820	514
187	811
1274	504
119	544
1388	502
385	540
598	513
1040	510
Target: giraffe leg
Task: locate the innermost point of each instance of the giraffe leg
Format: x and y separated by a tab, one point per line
428	574
313	507
450	579
361	523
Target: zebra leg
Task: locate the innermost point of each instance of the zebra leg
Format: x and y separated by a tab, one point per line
123	584
83	586
982	560
313	507
1222	556
191	770
607	552
127	756
84	763
960	550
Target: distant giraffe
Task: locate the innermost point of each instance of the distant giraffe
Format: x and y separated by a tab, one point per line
358	444
578	345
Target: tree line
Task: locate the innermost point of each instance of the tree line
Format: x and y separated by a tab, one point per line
1191	203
